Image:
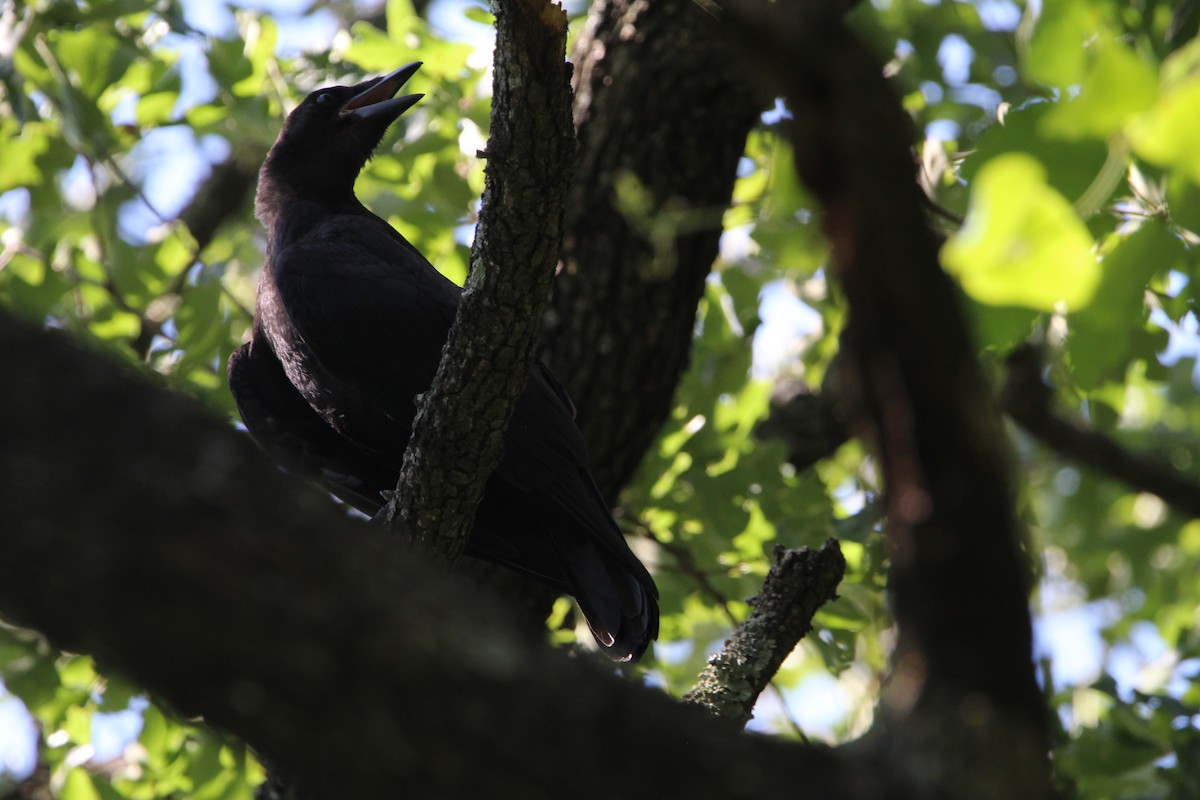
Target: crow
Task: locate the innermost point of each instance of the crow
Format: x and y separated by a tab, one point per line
349	327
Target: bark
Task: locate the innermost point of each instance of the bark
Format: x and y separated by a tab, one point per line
799	583
1027	397
458	434
663	110
962	701
140	529
810	424
223	196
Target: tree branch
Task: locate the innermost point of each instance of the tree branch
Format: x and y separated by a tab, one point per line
458	434
187	562
809	423
800	582
221	196
1026	397
962	701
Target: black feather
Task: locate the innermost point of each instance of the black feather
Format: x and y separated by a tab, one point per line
349	327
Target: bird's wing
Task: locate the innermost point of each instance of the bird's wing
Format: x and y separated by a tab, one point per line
286	427
366	319
545	456
373	316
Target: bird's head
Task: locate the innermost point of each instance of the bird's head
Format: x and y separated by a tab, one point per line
328	138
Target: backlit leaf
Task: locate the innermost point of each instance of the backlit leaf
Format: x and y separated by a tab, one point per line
1118	85
1022	244
1166	134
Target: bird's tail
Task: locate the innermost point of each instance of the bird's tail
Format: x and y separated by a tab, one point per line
565	536
621	607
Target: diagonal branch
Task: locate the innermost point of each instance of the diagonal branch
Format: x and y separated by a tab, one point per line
459	428
1027	400
800	582
187	562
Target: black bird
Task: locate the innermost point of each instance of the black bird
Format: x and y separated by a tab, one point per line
348	330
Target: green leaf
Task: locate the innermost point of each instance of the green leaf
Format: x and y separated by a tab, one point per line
260	49
198	321
1118	85
479	14
78	786
77	672
78	724
1111	751
1166	134
836	646
228	62
37	684
1056	53
31	286
95	57
1071	164
1103	336
155	108
400	15
117	695
205	770
372	50
155	735
1000	328
787	229
1183	201
1022	244
20	146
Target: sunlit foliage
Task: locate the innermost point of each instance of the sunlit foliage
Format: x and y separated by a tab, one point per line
1059	141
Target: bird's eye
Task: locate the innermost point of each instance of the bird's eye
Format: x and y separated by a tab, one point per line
324	99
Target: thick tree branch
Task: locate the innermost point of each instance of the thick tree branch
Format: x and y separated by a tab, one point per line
190	564
800	582
962	700
662	111
459	429
1026	398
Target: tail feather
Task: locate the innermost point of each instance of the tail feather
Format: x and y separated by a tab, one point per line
621	612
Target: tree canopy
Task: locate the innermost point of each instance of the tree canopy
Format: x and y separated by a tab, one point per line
765	355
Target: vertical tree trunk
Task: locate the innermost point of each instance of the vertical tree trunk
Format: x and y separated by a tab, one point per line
662	113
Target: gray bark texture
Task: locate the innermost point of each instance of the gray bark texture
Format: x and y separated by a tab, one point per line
458	434
662	111
799	583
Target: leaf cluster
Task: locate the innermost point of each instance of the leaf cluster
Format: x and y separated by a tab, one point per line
1063	138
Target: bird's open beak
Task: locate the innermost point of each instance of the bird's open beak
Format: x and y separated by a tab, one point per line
377	100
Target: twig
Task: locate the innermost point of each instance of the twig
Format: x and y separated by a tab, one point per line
94	151
1026	398
799	583
685	562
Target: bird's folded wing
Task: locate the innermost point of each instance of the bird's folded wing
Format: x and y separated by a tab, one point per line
371	316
